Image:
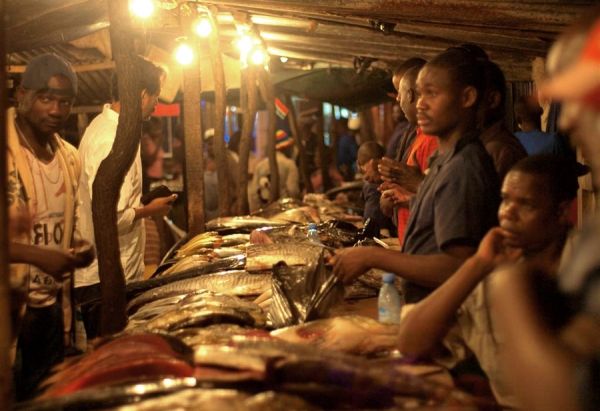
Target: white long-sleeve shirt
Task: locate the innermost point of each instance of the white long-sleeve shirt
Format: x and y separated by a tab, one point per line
95	146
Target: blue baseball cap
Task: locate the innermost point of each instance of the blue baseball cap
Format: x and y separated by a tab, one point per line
42	68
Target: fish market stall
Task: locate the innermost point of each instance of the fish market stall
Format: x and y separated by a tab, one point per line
249	316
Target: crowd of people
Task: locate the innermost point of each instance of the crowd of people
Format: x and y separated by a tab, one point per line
487	264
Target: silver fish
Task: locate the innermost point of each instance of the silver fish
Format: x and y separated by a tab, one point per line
264	256
234	282
300	215
198	317
239	222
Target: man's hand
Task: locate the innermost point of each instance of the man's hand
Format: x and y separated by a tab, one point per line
350	263
371	172
394	193
158	207
386	205
493	252
83	252
54	262
408	177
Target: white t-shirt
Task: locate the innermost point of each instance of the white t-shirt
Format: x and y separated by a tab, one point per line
94	147
48	218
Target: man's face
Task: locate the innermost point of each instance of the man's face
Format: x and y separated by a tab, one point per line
437	102
149	102
47	110
407	101
528	212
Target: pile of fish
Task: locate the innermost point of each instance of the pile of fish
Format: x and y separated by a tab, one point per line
236	282
196	309
325	378
126	358
196	340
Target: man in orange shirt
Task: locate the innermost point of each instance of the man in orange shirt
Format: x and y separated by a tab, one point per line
401	180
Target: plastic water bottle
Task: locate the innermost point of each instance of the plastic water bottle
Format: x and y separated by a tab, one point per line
389	302
313	234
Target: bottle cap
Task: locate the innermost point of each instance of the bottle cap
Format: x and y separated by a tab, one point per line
388	278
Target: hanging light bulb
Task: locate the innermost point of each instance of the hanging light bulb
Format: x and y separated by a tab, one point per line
258	57
245	43
141	8
202	27
184	54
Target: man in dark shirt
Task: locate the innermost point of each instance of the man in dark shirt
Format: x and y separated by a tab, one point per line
369	153
456	203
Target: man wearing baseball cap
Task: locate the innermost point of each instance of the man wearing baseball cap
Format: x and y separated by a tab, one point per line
42	183
553	344
289	184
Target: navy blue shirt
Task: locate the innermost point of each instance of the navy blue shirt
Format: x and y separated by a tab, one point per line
456	204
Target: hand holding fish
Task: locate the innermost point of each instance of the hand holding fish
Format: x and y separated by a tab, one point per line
350	263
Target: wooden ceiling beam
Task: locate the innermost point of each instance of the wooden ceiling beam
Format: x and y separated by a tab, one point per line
550	18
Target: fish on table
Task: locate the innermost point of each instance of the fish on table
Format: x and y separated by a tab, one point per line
233	282
122	359
243	223
352	334
261	257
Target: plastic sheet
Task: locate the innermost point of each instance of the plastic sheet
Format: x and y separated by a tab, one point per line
303	293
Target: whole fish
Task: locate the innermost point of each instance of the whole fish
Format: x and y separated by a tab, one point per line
205	240
350	334
232	240
244	223
198	316
235	282
218	334
300	215
119	360
261	257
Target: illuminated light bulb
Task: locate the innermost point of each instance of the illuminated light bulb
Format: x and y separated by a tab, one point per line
258	57
184	54
202	27
244	44
141	8
283	59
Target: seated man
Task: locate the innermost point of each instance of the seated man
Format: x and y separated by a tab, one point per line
563	372
369	153
533	216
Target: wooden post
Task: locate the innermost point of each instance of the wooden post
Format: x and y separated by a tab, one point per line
5	320
194	149
224	174
326	154
248	102
268	96
293	121
112	170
